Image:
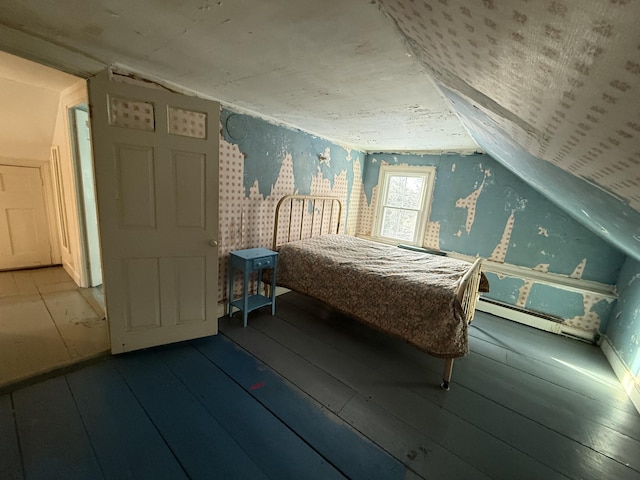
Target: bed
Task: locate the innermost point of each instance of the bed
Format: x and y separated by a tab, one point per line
427	300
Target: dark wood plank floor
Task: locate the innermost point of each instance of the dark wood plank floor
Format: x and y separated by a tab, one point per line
312	394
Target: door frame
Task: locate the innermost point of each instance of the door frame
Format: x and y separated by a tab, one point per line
85	248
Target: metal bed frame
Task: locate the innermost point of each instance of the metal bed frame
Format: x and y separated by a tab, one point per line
310	216
329	209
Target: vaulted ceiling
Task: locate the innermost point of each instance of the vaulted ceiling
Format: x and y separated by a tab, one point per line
550	88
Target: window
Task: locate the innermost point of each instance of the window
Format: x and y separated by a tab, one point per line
403	203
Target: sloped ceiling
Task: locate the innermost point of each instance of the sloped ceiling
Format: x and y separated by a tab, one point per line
551	81
561	78
555	81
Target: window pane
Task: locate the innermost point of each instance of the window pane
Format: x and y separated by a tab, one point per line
413	192
404	192
399	224
395	191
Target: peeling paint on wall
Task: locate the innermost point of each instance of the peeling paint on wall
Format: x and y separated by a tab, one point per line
231	196
325	157
266	163
432	236
365	220
355	200
469	203
523	293
247	221
590	320
500	252
544	239
579	270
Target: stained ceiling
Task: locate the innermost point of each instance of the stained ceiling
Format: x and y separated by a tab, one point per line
558	81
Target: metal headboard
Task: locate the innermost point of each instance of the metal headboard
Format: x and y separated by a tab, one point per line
309	216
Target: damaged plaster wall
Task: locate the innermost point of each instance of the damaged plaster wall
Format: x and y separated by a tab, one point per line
479	208
624	330
259	163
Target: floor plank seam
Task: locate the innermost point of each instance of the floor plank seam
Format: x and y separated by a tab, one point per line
371	398
17	432
64	342
551	465
205	406
555	384
307	332
508	444
276	340
84	427
275	415
150	418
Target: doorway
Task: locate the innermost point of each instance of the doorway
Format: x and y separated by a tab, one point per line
46	319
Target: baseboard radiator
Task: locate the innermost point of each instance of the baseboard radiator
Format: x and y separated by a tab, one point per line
534	319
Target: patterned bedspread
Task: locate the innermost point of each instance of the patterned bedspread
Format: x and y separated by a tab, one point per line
406	293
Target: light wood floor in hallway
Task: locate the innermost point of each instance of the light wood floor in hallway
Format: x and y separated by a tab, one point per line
47	322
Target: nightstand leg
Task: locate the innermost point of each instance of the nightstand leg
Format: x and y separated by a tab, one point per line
245	296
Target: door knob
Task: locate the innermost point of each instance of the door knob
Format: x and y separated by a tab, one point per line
213	243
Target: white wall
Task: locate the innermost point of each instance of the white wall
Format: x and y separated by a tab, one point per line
27	120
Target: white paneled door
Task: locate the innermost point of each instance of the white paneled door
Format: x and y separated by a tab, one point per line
156	168
24	231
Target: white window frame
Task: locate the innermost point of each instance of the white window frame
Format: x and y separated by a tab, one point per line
386	172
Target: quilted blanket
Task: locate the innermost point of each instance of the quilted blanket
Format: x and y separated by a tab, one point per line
405	293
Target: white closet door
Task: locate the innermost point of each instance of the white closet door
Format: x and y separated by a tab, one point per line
24	232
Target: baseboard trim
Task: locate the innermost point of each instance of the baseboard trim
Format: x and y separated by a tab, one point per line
534	321
628	381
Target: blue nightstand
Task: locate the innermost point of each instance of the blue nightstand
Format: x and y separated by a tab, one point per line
248	261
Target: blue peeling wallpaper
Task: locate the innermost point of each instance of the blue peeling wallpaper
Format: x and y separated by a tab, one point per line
624	328
480	208
259	163
264	146
602	213
540	234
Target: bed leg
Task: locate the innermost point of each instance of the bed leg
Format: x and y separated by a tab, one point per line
446	376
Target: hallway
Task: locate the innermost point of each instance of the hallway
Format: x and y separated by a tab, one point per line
47	322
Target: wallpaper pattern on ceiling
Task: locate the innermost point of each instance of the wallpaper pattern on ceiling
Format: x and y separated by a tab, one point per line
561	77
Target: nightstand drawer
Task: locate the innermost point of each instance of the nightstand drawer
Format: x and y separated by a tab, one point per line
259	263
